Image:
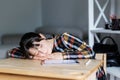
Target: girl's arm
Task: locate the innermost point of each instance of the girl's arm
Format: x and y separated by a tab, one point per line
80	48
55	55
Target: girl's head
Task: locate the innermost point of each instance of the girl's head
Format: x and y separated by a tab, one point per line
27	40
34	44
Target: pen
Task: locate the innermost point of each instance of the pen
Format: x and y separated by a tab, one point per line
87	62
42	62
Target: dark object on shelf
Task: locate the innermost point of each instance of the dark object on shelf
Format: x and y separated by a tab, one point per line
110	49
107	26
115	24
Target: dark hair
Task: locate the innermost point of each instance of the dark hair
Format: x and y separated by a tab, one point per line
27	40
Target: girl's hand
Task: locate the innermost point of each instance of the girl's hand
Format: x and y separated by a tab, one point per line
41	57
56	55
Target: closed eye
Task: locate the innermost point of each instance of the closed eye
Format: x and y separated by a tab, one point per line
36	45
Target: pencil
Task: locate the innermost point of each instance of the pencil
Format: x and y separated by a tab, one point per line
88	62
42	62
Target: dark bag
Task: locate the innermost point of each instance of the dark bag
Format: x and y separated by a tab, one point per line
111	49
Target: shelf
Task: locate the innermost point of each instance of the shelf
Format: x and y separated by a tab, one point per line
95	22
102	30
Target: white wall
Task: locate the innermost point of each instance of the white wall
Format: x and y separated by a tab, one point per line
19	16
118	8
65	13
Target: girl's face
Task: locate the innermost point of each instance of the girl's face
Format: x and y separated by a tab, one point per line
40	49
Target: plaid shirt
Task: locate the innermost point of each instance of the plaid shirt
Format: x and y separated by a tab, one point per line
72	47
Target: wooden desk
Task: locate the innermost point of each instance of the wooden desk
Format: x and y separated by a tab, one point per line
23	69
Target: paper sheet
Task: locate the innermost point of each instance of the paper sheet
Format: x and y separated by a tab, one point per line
61	61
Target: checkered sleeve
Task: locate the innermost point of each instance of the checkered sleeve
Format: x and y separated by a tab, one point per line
80	49
15	53
100	74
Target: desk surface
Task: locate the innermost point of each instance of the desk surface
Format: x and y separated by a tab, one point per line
33	68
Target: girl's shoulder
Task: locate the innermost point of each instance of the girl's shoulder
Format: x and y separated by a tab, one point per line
63	36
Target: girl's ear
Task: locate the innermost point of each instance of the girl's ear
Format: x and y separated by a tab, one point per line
42	35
